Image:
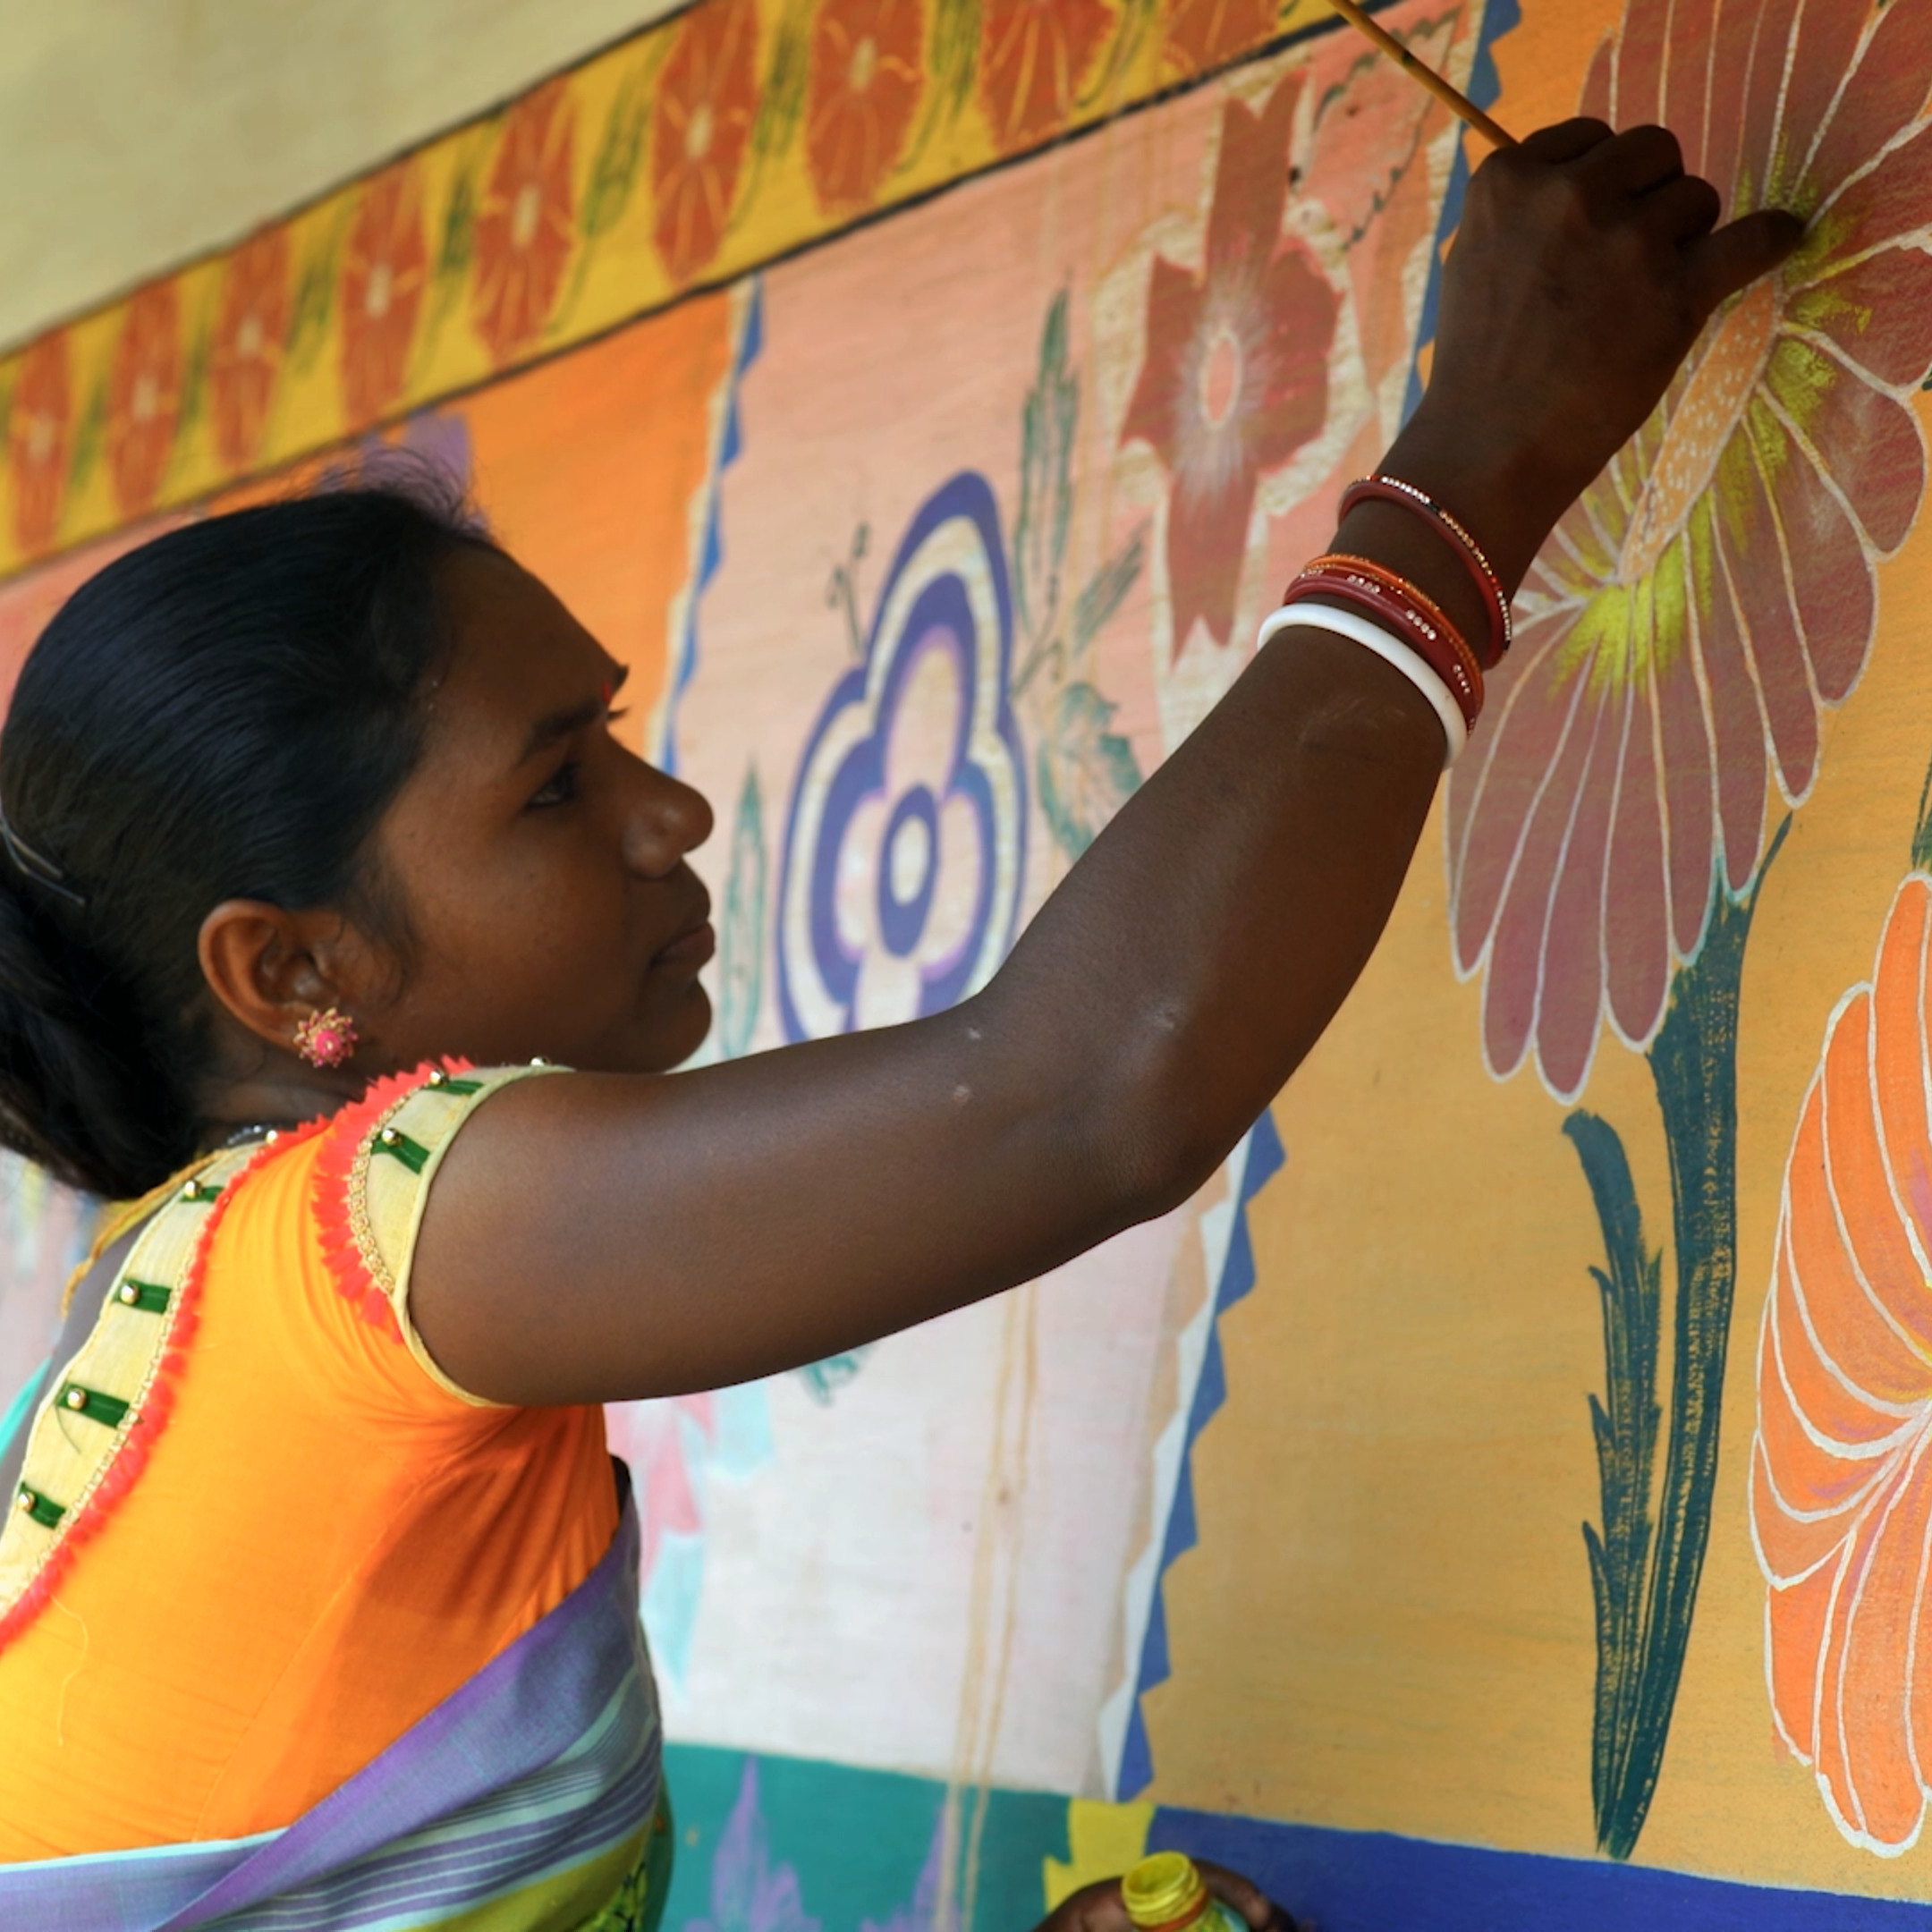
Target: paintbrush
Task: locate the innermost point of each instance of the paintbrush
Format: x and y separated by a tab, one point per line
1454	98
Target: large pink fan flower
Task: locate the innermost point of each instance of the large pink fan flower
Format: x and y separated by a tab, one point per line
1713	591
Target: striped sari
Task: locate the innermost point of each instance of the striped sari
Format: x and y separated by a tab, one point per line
488	1815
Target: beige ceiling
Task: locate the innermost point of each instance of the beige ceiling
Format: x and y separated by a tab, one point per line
136	133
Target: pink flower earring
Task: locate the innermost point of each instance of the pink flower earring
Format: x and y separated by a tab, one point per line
326	1038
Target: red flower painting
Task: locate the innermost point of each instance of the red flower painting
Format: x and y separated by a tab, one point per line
385	272
706	101
525	225
40	440
867	75
1713	590
1841	1497
245	356
144	392
1235	378
1202	34
1033	56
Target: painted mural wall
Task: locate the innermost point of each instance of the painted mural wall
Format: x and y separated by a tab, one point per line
1503	1497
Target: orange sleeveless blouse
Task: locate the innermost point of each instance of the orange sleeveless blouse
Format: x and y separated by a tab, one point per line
325	1540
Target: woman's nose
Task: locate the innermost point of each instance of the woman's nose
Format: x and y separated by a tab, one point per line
668	819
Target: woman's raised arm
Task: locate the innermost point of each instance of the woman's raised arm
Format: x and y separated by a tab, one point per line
607	1236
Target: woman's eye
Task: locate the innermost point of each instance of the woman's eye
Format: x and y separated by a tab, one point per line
557	790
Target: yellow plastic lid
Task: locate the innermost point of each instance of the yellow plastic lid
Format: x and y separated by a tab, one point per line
1163	1890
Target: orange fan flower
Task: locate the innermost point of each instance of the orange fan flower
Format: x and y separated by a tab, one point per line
1204	33
525	226
251	334
706	101
384	274
1033	56
144	391
1841	1498
39	439
866	80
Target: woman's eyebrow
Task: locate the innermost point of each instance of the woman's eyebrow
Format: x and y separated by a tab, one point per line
555	725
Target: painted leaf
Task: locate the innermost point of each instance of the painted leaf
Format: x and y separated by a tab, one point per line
823	1379
1047	423
1086	773
742	930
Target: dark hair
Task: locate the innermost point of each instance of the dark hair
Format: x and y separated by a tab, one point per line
224	713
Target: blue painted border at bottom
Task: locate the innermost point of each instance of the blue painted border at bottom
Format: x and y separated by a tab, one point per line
1374	1882
830	1848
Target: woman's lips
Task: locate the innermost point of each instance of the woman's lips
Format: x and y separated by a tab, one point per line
691	948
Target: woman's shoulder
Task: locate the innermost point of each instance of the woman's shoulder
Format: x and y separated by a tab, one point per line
367	1178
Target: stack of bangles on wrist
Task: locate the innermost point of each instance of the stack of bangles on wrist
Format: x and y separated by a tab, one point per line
1367	602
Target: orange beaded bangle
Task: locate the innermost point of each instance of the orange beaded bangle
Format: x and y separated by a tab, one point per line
1392	600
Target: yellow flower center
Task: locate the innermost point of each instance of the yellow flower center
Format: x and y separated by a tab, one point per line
249	338
524	216
146	399
42	433
698	132
1699	428
376	296
864	65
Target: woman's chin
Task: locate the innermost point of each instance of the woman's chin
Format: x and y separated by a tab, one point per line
686	1032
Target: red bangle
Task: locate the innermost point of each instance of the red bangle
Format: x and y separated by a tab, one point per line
1401	587
1343	581
1388	490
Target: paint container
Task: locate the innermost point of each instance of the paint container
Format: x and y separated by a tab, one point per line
1165	1893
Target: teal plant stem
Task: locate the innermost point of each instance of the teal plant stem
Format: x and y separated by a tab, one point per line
1625	1426
1640	1653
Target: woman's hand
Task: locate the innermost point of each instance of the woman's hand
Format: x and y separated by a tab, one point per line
1586	267
1098	1908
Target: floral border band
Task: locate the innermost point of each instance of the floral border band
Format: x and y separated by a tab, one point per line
728	135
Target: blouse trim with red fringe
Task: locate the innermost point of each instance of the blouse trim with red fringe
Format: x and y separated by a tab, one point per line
340	1199
125	1453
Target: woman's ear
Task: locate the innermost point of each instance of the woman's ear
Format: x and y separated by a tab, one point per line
270	967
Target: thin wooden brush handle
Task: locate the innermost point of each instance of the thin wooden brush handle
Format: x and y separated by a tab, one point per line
1454	98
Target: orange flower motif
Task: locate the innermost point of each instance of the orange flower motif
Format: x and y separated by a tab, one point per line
866	79
1033	56
706	101
249	337
1841	1499
384	274
39	437
525	226
144	386
1204	33
1235	379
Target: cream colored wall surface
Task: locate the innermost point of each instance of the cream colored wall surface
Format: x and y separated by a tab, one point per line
135	134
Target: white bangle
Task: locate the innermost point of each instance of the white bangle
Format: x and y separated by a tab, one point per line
1371	636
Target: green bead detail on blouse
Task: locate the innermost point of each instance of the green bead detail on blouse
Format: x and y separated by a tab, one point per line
150	1297
109	1409
412	1154
44	1511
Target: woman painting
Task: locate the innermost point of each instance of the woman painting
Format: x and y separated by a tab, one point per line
343	942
